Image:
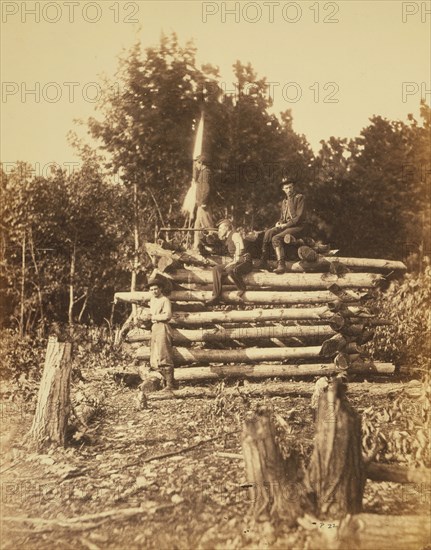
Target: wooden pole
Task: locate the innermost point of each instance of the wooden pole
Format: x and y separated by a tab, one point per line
183	356
184	336
22	307
217	372
250	296
289	281
53	402
255	315
323	263
355	263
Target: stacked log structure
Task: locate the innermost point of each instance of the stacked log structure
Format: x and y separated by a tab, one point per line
294	324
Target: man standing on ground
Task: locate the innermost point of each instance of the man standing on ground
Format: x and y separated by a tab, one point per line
240	265
161	352
292	222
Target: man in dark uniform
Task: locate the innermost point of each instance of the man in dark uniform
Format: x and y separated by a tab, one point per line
240	265
203	216
291	222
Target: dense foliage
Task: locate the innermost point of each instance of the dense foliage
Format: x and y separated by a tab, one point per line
406	304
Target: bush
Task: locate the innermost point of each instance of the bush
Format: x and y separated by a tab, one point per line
406	304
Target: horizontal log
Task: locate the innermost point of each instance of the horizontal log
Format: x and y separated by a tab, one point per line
253	315
397	474
355	263
369	532
280	388
183	356
250	296
372	263
291	281
184	336
268	371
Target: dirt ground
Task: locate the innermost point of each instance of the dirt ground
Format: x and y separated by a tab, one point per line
194	498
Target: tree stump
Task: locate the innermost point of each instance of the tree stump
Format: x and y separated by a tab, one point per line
276	482
53	402
337	472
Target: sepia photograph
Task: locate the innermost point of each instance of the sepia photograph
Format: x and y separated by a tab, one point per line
215	275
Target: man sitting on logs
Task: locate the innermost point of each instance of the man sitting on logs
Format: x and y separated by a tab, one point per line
161	355
292	222
239	266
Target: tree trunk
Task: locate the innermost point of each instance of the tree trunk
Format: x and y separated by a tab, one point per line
71	284
276	482
337	472
53	403
38	281
269	371
250	296
136	243
290	281
84	306
21	317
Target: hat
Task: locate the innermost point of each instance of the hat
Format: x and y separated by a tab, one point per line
157	280
287	181
202	157
224	220
307	254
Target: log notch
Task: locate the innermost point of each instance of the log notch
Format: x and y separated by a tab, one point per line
275	481
53	402
337	472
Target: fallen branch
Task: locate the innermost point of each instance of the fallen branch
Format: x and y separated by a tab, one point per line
180	451
86	521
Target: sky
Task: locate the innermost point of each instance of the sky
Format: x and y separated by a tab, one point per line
334	64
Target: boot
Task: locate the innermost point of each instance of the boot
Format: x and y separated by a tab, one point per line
168	375
281	266
168	378
263	262
213	302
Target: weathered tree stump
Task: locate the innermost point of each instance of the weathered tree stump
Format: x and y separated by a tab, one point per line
53	402
275	482
337	472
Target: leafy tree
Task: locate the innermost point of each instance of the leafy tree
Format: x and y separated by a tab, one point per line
61	244
370	194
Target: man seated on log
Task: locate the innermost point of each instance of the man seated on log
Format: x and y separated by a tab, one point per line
240	265
161	352
291	222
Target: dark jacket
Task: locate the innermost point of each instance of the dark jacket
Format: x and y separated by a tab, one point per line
203	182
293	211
